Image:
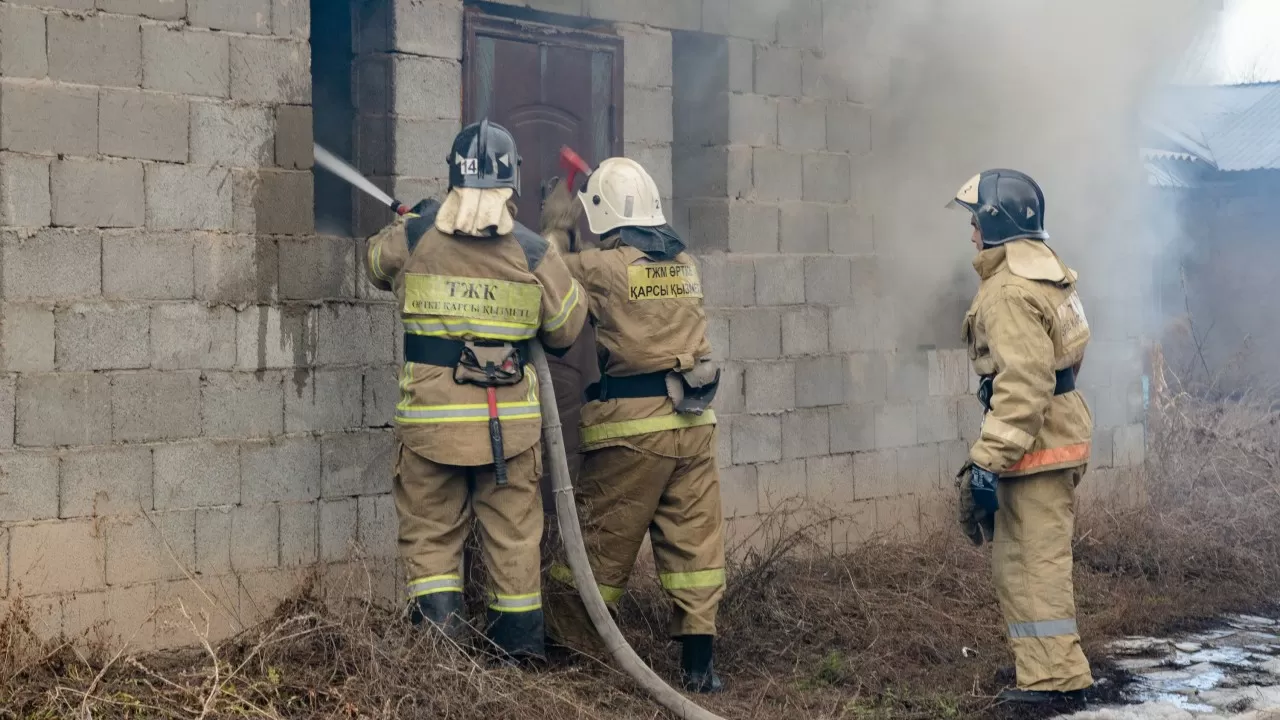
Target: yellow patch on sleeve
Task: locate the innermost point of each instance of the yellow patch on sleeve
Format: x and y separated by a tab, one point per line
482	299
663	281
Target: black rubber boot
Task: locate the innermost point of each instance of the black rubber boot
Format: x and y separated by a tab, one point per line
698	664
442	609
520	636
1042	697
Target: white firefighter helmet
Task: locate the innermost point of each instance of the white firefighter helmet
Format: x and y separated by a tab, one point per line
620	193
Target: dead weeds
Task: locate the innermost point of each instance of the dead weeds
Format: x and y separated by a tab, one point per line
888	630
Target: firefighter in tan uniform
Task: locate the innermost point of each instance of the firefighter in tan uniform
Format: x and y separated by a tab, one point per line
474	288
1027	333
648	433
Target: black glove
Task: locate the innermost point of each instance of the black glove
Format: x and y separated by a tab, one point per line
986	388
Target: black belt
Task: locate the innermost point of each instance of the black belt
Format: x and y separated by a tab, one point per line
611	387
444	352
1064	381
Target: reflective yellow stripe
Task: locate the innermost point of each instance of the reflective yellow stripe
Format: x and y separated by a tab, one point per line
515	603
375	261
459	329
566	309
435	584
466	413
629	428
562	574
1001	430
692	580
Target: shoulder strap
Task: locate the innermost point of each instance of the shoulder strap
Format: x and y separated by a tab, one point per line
424	218
533	244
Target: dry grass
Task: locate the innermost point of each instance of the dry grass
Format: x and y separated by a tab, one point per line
885	631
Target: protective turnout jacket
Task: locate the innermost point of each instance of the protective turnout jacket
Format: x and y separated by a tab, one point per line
513	288
1027	328
649	318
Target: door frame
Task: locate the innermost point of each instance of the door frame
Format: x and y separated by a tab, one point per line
476	22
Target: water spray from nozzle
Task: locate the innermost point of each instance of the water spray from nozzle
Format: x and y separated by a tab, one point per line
337	166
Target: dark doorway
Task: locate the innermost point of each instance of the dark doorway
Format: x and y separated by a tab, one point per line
333	113
548	85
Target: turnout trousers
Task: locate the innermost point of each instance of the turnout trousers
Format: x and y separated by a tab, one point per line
665	484
436	503
1032	563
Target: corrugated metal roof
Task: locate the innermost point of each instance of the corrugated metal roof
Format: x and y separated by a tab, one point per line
1172	170
1228	127
1252	140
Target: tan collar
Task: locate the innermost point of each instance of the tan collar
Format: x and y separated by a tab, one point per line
989	261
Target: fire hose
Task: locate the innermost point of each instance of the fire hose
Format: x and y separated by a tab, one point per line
570	530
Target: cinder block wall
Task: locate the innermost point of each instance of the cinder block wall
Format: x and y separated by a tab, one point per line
194	385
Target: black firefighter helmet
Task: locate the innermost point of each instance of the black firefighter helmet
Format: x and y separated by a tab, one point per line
484	156
1007	205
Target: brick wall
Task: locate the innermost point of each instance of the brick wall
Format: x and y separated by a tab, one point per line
193	382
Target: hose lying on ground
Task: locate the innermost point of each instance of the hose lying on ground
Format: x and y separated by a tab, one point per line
583	579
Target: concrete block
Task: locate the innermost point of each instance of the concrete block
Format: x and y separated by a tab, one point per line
704	172
270	70
854	527
96	50
294	147
753	120
188	613
649	56
360	463
345	336
116	615
776	175
237	539
777	71
26	338
732	396
199	474
869	279
647	115
8	409
853	328
24	189
63	409
148	406
299	534
1102	450
432	29
969	418
386	335
56	557
804	228
896	425
236	269
656	159
898	518
97	193
22	42
49	119
804	331
105	481
948	372
718	335
952	456
820	381
232	135
849	128
827	280
757	438
724	441
739	492
154	9
918	469
673	15
242	404
853	428
213	542
852	231
1130	446
752	228
291	18
781	485
327	400
338	523
779	280
283	469
755	335
155	546
378	526
276	337
318	268
103	337
148	266
866	378
827	178
875	474
30	483
246	16
275	202
800	25
419	86
908	376
757	21
806	433
802	125
182	197
830	480
770	387
139	124
727	281
189	62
